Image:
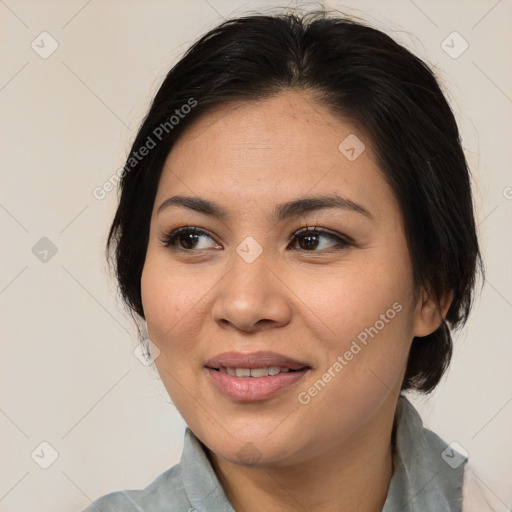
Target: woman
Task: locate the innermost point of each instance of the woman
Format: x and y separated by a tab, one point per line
296	229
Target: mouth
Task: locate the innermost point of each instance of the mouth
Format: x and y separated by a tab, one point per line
257	373
254	377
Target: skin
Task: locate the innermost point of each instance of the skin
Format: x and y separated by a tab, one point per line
333	453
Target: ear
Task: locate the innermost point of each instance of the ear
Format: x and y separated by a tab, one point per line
427	317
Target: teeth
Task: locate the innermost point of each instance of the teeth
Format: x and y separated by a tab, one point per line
259	372
254	372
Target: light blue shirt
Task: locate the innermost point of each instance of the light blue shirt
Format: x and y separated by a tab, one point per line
427	477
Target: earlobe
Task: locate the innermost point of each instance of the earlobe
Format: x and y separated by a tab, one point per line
428	317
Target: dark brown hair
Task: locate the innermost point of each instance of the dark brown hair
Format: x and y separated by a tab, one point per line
361	74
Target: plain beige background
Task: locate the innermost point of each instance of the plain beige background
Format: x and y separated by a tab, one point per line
68	375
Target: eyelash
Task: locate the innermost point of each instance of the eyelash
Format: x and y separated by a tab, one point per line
170	239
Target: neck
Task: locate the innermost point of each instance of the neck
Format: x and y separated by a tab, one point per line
354	476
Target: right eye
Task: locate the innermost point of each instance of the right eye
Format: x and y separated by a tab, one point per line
185	238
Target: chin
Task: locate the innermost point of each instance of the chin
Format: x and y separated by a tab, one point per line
254	453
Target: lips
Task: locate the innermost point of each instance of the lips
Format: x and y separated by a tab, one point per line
256	376
254	360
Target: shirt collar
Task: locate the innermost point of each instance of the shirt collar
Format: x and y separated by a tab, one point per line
427	472
200	481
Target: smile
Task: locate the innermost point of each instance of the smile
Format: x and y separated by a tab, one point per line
254	372
254	376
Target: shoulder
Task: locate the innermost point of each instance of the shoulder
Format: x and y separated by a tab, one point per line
166	491
476	497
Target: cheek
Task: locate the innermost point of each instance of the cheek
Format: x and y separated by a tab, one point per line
169	296
363	315
176	304
170	302
363	363
343	301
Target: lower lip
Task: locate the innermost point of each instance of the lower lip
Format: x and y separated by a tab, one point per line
252	389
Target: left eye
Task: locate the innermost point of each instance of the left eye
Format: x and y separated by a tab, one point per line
311	237
186	238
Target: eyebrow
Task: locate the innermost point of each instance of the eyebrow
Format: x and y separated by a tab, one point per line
281	212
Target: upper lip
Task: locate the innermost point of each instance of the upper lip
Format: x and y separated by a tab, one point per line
254	360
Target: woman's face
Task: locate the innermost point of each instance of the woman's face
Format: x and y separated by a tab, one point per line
332	311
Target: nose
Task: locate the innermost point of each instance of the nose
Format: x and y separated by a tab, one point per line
252	296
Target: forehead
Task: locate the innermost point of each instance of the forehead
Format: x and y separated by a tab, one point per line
286	124
286	145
